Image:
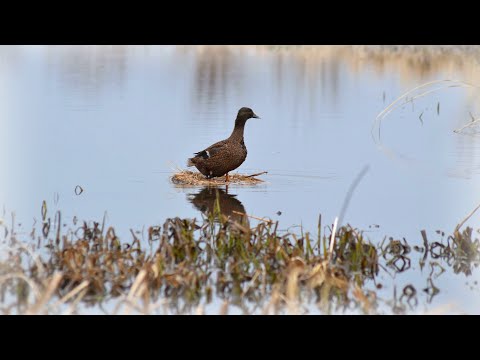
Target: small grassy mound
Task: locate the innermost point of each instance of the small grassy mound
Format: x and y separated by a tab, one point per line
190	178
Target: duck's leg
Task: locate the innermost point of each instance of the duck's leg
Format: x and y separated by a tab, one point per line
226	178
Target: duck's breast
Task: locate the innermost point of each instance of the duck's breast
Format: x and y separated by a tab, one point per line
237	156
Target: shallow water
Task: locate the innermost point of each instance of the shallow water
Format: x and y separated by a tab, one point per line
119	120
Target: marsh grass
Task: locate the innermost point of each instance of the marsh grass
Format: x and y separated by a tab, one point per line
190	178
183	265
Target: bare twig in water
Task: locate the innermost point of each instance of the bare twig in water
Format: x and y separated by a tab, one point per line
257	174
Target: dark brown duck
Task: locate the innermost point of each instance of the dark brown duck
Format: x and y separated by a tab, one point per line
226	155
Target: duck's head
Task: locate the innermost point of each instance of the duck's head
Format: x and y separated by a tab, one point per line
246	113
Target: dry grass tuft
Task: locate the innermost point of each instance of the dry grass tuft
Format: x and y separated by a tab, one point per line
190	178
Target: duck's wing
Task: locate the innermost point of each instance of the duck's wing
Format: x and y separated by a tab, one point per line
212	150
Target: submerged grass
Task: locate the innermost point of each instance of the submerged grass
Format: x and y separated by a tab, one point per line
415	93
184	264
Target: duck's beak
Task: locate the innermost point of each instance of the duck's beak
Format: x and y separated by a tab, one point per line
256	116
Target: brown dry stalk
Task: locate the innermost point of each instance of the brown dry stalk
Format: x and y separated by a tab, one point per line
362	298
75	302
257	174
136	285
52	286
292	289
72	293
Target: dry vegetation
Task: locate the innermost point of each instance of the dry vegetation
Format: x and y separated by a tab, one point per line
182	265
191	178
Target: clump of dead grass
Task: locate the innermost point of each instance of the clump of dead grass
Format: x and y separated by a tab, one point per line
190	178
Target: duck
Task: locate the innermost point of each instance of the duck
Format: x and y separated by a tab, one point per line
225	155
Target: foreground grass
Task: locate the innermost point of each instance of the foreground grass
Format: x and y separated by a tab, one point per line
184	265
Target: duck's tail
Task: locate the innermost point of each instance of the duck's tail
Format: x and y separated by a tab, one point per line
190	162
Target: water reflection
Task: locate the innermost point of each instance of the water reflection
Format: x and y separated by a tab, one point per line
88	70
412	63
217	68
208	200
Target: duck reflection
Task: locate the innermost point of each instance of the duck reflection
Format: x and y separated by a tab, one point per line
230	206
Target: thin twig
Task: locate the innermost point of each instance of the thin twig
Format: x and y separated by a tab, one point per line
253	217
260	173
